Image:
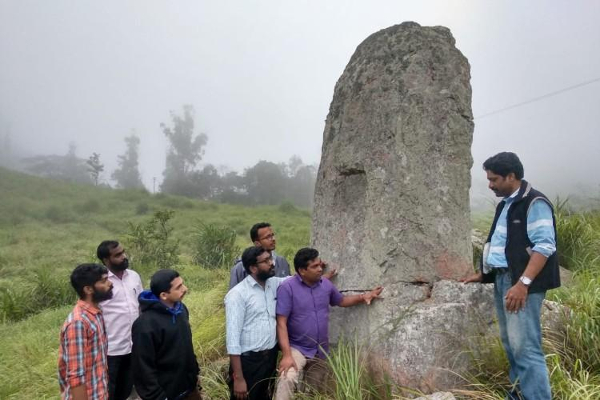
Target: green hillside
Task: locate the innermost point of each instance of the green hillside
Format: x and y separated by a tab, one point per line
47	227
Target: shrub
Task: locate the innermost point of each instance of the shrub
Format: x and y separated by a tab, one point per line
142	208
215	246
152	242
287	207
51	290
58	215
578	239
89	206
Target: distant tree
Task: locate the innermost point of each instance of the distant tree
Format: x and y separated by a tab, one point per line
185	151
95	167
207	182
266	183
128	174
294	164
302	186
67	168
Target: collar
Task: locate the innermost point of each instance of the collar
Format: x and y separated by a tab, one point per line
88	307
510	198
110	273
299	278
521	193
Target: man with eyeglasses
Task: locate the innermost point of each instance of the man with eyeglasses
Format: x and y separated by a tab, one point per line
250	327
262	235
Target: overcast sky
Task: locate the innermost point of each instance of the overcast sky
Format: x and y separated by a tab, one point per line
260	75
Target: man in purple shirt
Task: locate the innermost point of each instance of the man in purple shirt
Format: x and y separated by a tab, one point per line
303	317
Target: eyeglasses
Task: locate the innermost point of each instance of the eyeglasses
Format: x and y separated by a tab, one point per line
268	260
270	236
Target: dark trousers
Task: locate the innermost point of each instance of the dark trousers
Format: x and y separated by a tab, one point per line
259	373
120	378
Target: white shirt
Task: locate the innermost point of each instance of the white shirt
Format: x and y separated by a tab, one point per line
120	311
250	316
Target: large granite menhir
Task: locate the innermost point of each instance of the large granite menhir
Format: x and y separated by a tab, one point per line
391	201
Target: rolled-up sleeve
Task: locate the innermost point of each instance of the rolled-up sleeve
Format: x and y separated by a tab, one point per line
540	228
234	322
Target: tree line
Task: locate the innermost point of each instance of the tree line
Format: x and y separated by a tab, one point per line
264	183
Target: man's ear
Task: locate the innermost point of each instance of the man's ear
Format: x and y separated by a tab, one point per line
257	243
511	177
253	269
88	289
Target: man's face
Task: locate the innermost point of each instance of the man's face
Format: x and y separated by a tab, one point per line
103	289
266	239
117	260
313	272
501	186
177	291
265	266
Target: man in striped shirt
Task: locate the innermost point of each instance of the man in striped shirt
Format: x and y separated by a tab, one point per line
520	259
250	327
82	365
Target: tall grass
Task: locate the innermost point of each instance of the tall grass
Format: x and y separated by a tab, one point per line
573	358
215	246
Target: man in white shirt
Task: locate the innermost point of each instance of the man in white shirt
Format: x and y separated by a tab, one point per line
119	314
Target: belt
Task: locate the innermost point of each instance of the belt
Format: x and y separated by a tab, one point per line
258	353
500	270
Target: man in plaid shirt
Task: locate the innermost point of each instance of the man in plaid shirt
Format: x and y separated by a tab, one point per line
82	365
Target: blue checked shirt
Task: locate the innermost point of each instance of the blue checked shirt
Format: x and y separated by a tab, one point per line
540	230
250	316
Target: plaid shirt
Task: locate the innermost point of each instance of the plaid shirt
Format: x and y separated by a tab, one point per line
82	353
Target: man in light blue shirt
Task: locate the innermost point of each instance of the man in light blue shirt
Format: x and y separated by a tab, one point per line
251	327
520	259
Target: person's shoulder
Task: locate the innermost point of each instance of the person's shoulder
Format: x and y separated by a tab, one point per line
288	281
134	274
235	292
281	258
326	283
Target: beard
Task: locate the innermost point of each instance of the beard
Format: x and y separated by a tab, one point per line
98	296
121	267
263	276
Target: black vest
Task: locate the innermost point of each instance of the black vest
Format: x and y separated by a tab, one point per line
518	245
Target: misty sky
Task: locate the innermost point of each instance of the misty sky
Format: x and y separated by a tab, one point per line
260	75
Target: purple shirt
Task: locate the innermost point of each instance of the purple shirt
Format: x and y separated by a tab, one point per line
307	310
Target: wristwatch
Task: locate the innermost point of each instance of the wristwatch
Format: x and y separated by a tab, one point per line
525	280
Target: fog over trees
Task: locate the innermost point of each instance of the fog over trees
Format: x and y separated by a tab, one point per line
256	79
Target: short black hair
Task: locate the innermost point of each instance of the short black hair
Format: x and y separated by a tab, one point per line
250	255
255	228
161	281
303	257
86	275
104	249
503	164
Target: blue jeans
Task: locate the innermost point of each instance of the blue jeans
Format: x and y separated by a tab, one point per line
522	340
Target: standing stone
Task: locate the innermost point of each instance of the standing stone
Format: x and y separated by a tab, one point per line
392	195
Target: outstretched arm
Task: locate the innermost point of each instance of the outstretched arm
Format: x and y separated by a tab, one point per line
349	301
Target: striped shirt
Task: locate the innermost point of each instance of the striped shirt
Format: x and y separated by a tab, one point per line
250	316
82	353
540	229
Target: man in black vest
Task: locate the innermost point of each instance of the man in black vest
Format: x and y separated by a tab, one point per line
520	258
